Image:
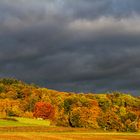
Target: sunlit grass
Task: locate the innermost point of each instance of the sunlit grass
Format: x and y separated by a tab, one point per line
33	121
69	136
24	122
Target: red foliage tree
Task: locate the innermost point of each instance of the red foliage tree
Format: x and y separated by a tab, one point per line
44	110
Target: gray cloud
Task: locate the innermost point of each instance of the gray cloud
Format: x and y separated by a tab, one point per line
82	46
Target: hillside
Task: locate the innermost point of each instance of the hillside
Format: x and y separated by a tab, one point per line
115	111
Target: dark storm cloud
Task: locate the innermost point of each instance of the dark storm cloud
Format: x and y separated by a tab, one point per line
82	45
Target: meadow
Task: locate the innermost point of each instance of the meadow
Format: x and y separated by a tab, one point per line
33	129
67	136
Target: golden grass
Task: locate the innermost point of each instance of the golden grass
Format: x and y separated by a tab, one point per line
62	136
61	133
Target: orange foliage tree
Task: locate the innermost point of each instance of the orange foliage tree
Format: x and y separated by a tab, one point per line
44	110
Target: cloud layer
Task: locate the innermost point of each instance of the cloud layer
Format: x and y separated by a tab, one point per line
81	46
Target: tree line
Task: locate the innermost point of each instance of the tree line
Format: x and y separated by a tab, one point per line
108	111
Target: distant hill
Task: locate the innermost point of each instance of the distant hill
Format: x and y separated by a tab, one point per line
115	111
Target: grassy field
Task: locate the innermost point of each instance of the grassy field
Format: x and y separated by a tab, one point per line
23	122
67	136
32	129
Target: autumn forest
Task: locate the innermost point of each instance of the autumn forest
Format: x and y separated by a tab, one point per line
107	111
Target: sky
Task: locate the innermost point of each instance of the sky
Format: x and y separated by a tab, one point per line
72	45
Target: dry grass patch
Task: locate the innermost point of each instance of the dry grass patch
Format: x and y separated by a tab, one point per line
62	136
